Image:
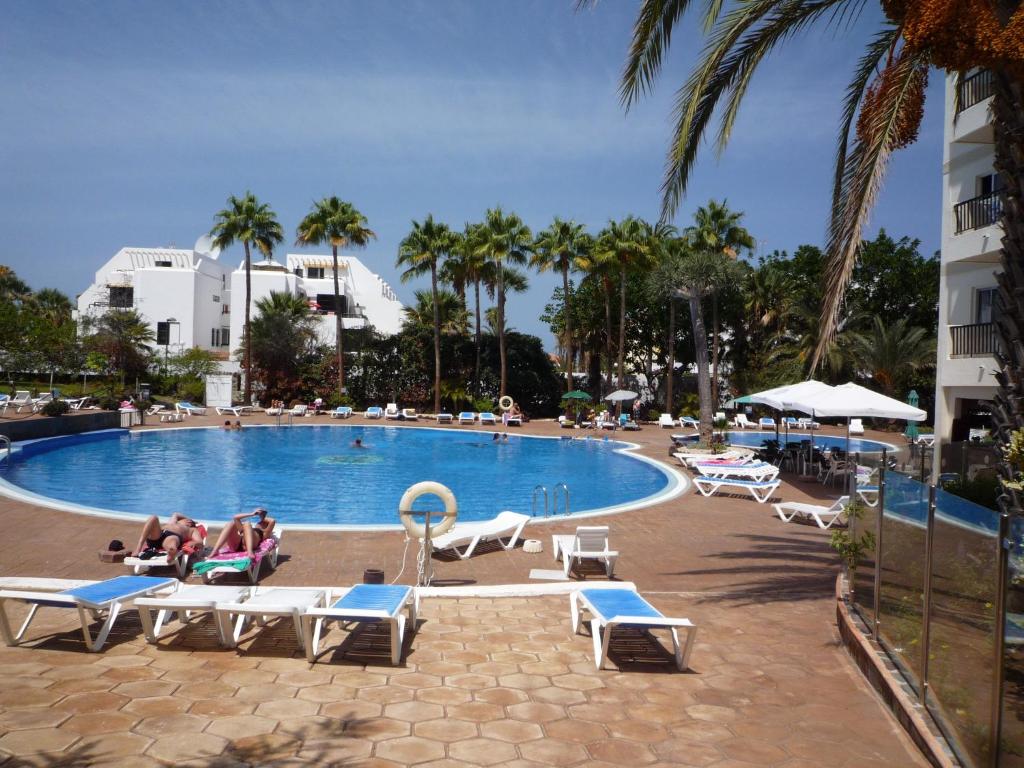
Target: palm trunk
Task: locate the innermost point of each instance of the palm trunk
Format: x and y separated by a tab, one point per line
501	330
248	336
476	374
700	345
1008	126
437	338
622	327
671	355
714	348
568	326
338	348
608	328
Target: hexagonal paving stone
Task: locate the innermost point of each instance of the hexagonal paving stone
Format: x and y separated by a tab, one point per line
476	711
384	694
359	679
416	680
577	682
501	696
579	731
381	729
351	711
553	752
410	749
104	749
536	712
146	688
28	697
287	708
157	706
712	713
37	740
445	729
33	717
638	730
221	708
597	713
92	702
471	681
239	726
621	752
564	696
685	752
336	752
525	682
513	731
447	696
264	748
301	678
163	725
482	751
265	692
94	723
414	711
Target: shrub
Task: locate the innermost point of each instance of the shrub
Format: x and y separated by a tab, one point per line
193	391
56	408
983	490
483	404
109	403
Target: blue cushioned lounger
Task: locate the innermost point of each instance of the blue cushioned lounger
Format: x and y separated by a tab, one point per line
366	603
625	608
91	601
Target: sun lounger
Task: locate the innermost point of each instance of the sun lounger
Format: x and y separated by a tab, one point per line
180	563
235	410
5	400
755	470
299	410
689	458
856	427
606	421
467	417
741	421
22	399
825	517
590	542
666	420
189	409
610	608
807	423
172	416
766	423
514	421
365	604
409	414
507	525
235	562
926	440
341	412
444	418
188	600
79	403
868	494
761	491
392	412
274	603
92	602
566	423
154	409
486	417
689	421
374	412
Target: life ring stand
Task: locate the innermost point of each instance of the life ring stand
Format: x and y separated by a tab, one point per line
506	403
406	515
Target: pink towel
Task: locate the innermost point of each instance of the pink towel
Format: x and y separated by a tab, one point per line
226	554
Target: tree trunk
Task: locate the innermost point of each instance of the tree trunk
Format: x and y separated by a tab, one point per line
622	327
700	345
338	348
476	375
608	329
568	325
437	337
669	381
714	348
1008	126
247	363
501	330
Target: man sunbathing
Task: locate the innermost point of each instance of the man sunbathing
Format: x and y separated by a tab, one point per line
241	533
180	530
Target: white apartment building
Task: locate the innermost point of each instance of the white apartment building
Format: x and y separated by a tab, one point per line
186	295
970	260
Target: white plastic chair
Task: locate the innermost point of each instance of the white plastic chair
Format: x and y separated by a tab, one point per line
590	542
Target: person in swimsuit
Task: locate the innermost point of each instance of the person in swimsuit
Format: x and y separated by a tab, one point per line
242	533
178	530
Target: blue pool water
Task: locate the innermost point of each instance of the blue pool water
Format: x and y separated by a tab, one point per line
824	442
313	476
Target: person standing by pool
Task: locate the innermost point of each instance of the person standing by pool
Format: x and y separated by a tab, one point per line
241	534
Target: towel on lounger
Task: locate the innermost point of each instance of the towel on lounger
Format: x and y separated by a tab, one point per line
208	565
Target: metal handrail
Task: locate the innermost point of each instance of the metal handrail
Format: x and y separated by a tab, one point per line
978	212
554	497
533	501
974	89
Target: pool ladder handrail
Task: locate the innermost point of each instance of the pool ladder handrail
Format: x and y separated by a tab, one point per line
533	501
554	498
5	442
289	418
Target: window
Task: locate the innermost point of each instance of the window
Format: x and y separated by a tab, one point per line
163	264
298	271
163	334
326	302
315	273
225	337
985	305
216	299
215	337
989	184
122	297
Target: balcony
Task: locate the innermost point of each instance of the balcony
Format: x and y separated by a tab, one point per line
978	212
976	340
973	90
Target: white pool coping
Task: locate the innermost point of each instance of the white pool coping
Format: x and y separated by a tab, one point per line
677	481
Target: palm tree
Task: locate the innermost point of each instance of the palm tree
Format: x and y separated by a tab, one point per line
504	239
123	337
565	245
282	333
627	245
247	221
664	282
892	354
718	228
452	314
420	252
464	265
336	222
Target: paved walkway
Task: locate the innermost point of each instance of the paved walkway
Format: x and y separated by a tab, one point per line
485	681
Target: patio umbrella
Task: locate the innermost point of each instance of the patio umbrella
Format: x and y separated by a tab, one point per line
787	398
622	394
576	395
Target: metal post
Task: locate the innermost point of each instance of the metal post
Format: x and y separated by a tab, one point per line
1002	564
926	608
878	544
428	550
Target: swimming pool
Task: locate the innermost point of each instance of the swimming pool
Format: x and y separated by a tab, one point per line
314	476
824	442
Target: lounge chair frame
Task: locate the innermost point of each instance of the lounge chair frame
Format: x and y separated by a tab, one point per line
815	512
189	600
362	597
273	603
590	542
507	525
760	491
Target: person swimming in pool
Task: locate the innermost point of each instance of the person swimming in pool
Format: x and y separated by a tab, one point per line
358	443
179	530
227	426
243	533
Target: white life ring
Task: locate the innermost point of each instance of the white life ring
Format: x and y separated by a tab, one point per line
506	403
406	515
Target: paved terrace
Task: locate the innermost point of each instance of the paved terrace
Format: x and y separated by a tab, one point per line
485	681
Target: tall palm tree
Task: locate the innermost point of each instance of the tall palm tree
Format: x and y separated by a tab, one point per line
454	319
564	245
471	254
892	354
627	245
717	228
247	221
336	222
419	252
504	240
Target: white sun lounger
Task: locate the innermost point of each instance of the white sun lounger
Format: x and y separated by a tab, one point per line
22	398
761	491
366	604
507	524
825	517
688	459
610	608
868	494
154	409
190	599
486	417
409	414
274	603
741	420
392	412
590	542
666	420
188	408
374	412
467	417
689	421
444	418
180	563
268	550
341	412
757	470
236	410
91	601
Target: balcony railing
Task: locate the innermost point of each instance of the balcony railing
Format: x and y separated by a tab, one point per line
978	212
976	340
974	89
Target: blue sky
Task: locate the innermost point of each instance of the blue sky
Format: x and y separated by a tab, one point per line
129	124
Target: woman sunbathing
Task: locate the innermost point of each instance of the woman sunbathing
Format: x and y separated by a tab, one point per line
241	533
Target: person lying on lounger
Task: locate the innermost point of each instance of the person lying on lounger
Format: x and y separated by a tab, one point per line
242	533
179	530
